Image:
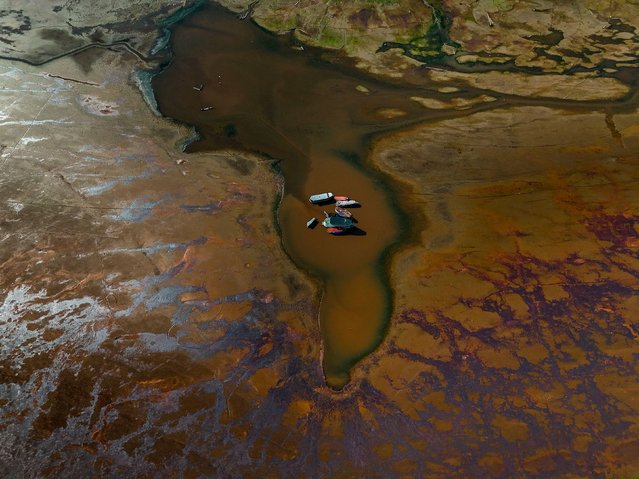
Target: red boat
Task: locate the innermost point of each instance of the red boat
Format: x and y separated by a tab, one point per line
335	231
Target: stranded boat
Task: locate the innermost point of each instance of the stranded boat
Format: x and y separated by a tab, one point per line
337	222
321	198
343	212
346	203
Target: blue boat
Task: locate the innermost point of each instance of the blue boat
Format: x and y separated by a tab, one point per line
337	222
321	198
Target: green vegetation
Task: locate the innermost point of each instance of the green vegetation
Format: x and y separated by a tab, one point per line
371	2
428	47
331	38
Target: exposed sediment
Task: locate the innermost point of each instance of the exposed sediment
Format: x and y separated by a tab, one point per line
152	326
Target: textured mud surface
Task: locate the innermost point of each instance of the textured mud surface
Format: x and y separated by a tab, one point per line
589	38
515	330
134	297
34	32
151	325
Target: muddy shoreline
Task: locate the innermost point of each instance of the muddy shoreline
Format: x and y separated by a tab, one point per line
297	175
152	326
231	120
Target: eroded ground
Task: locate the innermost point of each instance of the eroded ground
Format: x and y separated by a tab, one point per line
152	326
515	327
133	280
402	38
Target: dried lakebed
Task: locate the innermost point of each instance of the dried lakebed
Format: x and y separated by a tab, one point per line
245	89
152	326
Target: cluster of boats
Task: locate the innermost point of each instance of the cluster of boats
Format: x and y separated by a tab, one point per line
335	223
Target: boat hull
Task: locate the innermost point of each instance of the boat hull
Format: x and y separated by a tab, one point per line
347	203
344	213
321	198
337	222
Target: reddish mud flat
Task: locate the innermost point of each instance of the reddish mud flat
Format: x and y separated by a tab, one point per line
141	336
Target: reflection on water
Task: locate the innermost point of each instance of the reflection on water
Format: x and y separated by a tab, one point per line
246	89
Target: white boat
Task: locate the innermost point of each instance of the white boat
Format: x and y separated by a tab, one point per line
346	203
321	198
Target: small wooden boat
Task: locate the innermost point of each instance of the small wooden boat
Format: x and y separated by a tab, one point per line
321	198
347	203
336	231
337	222
341	198
343	212
311	223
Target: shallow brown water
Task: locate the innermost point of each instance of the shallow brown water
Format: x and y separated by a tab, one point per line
286	104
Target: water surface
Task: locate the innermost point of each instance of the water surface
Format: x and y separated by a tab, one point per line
248	90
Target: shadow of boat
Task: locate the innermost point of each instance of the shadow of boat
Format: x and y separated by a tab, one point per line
354	231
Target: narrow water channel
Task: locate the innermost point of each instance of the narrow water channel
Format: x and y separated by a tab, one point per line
260	94
246	89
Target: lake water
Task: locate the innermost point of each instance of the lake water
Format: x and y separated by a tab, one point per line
248	90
